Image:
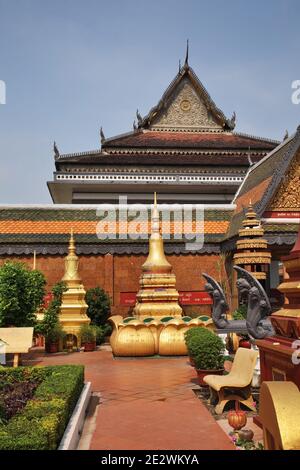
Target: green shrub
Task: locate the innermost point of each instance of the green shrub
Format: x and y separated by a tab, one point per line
41	424
21	294
98	305
206	348
240	313
190	333
99	333
50	326
87	334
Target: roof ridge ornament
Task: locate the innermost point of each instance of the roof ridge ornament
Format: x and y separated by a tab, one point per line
251	163
232	120
186	61
56	151
102	136
139	117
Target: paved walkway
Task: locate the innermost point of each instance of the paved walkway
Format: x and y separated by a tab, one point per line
146	403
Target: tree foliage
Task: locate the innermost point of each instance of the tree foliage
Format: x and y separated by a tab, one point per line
21	294
98	305
50	326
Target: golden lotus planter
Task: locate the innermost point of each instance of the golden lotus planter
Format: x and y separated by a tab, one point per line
149	337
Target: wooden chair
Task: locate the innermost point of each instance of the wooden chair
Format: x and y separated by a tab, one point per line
279	413
237	384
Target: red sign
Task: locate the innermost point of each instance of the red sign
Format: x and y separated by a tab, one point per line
194	298
185	298
127	298
282	215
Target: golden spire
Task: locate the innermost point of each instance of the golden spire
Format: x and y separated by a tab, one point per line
72	244
71	275
156	261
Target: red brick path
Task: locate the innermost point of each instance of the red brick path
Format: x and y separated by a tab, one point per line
146	404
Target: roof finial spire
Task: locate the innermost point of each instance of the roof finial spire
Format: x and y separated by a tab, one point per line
102	136
186	62
179	66
55	149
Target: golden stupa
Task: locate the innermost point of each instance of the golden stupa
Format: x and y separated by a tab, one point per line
73	307
157	326
157	296
252	249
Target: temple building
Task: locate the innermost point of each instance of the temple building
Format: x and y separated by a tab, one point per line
185	149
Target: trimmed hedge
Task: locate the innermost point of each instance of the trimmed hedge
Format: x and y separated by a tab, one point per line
41	424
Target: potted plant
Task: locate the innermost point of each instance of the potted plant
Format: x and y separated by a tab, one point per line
88	337
189	334
207	350
53	338
100	333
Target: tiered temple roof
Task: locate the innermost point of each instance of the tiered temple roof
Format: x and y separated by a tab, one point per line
185	131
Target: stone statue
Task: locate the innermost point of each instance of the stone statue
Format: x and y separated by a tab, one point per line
258	305
220	306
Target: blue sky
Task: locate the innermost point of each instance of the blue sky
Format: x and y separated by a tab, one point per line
71	66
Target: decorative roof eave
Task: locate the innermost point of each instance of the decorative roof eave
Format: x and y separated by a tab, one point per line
88	153
147	151
283	238
101	249
255	137
186	70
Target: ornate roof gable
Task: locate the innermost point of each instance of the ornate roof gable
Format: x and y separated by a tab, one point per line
283	190
187	106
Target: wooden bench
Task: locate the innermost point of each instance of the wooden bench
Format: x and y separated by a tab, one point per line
17	341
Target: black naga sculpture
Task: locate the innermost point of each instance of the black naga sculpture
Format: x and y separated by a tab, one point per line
220	306
258	305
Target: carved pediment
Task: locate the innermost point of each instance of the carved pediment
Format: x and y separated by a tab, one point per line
287	196
185	109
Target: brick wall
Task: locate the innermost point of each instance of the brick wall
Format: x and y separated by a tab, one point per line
120	273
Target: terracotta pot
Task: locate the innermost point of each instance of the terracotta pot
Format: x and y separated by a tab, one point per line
237	419
51	348
192	362
89	346
246	434
203	372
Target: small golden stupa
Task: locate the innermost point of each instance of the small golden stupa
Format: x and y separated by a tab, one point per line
252	249
73	307
158	296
